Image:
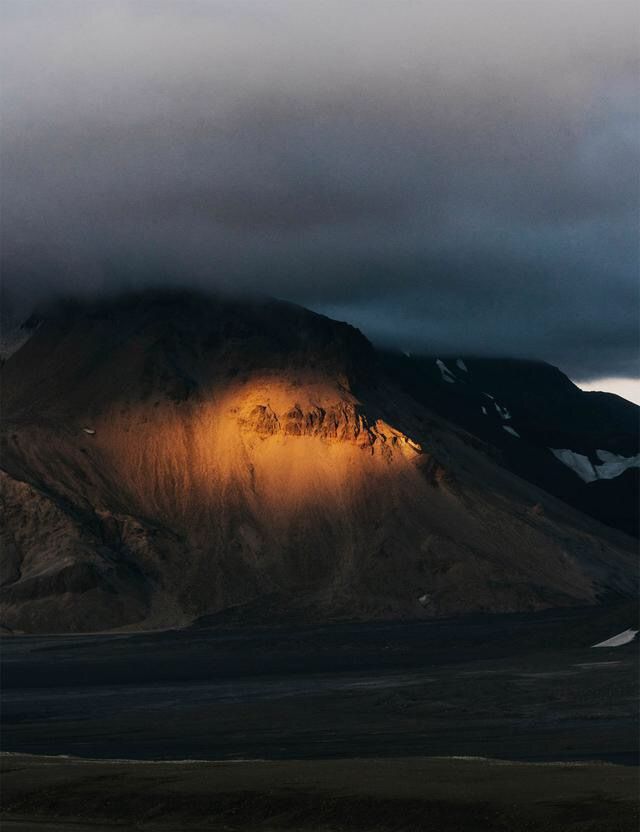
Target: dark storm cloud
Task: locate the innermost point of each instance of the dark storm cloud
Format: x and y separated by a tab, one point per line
447	175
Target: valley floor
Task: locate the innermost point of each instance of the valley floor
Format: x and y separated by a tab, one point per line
333	727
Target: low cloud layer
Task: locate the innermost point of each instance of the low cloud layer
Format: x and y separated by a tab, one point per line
449	176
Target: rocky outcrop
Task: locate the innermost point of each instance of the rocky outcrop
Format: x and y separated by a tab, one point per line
343	422
53	555
167	459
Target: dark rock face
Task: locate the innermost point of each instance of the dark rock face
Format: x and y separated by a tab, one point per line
171	456
547	411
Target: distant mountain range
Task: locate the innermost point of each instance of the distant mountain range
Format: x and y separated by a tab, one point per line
582	447
170	455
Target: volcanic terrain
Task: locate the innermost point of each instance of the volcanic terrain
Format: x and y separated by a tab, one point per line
167	456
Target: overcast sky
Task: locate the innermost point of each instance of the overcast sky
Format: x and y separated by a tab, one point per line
449	176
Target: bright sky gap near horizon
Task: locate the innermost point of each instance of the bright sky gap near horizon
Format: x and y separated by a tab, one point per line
628	388
449	176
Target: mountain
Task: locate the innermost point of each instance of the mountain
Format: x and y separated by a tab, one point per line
583	447
169	455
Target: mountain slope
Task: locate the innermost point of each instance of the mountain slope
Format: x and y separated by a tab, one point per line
582	447
170	455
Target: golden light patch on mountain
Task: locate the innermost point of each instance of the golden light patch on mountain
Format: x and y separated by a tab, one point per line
188	461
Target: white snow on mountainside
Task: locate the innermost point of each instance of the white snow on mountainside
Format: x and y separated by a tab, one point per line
503	412
612	465
446	374
617	641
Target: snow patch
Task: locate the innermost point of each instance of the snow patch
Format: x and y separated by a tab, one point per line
612	465
461	365
617	641
483	409
511	431
579	463
503	413
446	374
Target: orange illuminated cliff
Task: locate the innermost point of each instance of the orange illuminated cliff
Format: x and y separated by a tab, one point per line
167	456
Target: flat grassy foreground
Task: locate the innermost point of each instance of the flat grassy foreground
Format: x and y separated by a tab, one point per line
52	794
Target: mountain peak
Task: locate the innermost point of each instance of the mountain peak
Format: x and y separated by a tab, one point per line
170	455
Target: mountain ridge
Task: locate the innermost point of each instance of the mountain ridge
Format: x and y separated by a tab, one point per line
168	456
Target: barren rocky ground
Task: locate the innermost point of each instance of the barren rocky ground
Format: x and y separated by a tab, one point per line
335	724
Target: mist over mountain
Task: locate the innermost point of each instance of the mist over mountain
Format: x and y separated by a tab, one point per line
319	415
457	182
